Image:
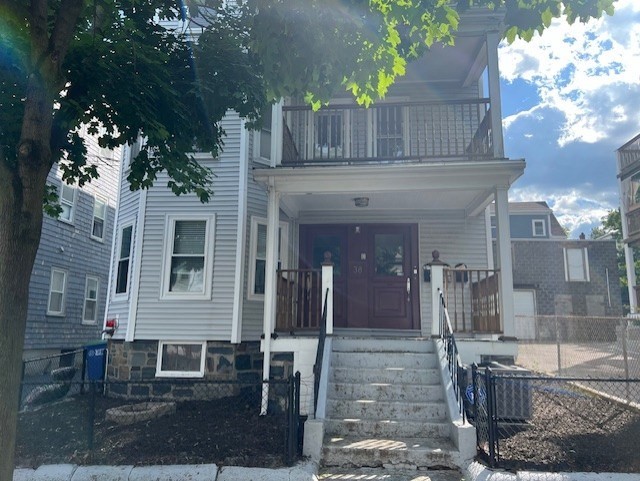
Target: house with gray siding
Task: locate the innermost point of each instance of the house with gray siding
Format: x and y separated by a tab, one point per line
555	275
359	210
68	288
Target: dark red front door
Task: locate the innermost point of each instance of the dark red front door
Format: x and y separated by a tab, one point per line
376	278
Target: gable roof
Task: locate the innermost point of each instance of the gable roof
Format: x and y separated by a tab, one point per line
536	207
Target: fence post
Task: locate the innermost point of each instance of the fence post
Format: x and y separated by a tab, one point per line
476	400
558	346
21	384
625	354
91	415
290	421
84	370
491	417
296	416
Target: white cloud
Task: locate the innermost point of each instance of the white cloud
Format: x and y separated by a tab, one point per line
589	72
577	210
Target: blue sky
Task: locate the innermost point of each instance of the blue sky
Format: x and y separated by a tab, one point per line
570	98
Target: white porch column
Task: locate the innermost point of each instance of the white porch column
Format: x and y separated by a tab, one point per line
492	41
437	284
503	238
628	251
268	318
327	285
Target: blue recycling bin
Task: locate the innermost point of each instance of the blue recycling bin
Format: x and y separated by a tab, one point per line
96	360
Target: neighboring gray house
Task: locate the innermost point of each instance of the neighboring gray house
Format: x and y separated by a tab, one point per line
554	275
67	292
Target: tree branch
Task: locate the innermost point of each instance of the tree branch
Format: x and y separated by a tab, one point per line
63	29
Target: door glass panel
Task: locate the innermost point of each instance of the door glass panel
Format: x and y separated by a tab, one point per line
331	243
389	250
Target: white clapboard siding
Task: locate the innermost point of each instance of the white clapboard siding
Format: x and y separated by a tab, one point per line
459	239
176	319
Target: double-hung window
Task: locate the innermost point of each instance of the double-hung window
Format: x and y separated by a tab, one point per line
258	261
576	264
181	359
538	227
124	260
67	198
188	257
99	217
90	309
57	289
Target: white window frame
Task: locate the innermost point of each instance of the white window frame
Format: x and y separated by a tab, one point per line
84	304
203	353
116	294
62	201
104	219
170	223
63	292
534	223
253	248
585	264
257	134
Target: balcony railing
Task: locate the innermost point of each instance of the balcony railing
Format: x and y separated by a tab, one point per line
629	157
420	131
633	222
471	296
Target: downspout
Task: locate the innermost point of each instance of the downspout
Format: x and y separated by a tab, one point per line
269	289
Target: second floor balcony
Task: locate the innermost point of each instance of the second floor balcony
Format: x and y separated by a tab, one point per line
629	158
398	131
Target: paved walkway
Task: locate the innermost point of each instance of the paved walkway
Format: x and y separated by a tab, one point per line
305	471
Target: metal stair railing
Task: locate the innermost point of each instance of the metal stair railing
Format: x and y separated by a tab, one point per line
456	371
317	367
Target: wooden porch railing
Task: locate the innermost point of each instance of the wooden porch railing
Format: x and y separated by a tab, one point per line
455	129
472	300
299	300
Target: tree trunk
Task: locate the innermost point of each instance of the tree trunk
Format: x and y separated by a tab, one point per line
17	254
22	187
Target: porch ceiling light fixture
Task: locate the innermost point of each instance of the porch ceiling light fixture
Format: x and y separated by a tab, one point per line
361	201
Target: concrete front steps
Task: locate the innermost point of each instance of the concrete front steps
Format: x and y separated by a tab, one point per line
386	407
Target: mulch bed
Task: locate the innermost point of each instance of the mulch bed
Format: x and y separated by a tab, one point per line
226	432
573	431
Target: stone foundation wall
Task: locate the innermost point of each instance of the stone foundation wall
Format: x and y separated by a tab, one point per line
131	370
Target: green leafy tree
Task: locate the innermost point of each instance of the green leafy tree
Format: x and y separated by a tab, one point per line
108	64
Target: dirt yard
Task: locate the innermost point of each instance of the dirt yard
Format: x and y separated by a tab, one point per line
227	432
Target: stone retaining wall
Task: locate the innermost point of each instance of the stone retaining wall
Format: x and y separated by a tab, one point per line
131	370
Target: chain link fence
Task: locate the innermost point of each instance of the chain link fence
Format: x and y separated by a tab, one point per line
580	346
526	422
162	421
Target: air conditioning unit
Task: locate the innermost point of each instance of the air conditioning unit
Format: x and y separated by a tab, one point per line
513	395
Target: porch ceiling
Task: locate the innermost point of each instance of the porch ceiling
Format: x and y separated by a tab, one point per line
466	186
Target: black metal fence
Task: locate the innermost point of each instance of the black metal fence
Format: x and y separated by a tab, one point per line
162	421
526	422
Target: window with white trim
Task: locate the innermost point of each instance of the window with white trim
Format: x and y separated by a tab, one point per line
57	288
90	309
538	228
124	259
181	359
99	218
67	198
576	264
188	257
265	134
258	260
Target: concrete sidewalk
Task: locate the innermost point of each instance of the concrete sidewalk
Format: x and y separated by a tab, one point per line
305	471
193	472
